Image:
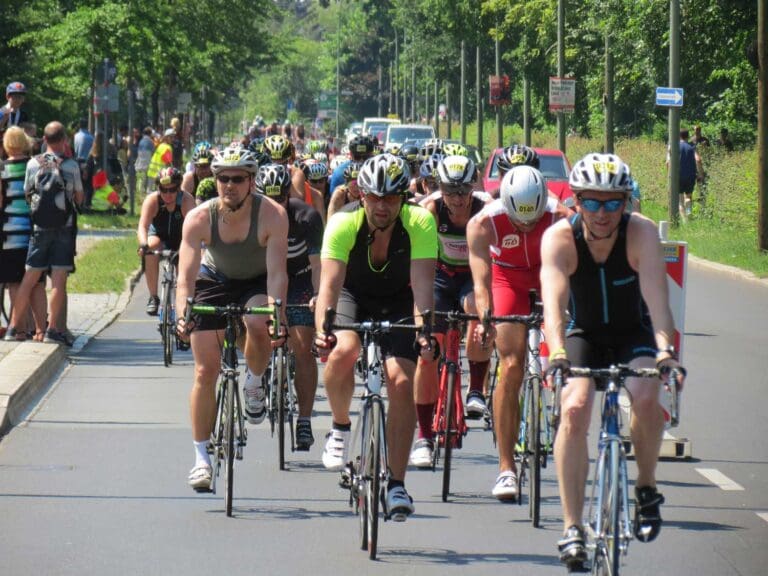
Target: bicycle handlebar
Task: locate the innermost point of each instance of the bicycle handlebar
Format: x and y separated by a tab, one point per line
374	326
235	311
615	372
161	253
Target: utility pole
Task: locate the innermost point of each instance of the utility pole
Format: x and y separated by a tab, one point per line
479	90
437	108
397	75
499	127
389	102
379	71
561	70
674	113
413	90
608	97
762	124
463	95
405	82
426	101
526	112
448	107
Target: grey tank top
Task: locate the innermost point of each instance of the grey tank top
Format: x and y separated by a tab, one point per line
239	260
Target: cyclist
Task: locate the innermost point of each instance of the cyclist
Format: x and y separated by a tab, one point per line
504	242
452	208
201	168
160	223
349	192
410	153
378	262
315	184
360	149
305	238
206	190
429	181
244	235
607	269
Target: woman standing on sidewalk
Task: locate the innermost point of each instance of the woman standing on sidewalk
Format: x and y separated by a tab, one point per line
16	226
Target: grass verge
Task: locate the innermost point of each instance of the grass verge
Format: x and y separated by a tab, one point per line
104	267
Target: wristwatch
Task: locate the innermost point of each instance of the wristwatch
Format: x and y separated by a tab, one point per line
668	350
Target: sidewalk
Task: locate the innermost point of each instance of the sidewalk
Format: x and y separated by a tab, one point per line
26	368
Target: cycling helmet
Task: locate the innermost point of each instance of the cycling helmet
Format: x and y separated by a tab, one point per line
352	170
202	154
344	150
315	171
409	153
393	148
274	181
314	146
337	161
456	170
235	156
601	173
452	149
430	147
517	155
278	147
523	194
169	175
320	157
384	175
429	166
256	145
361	147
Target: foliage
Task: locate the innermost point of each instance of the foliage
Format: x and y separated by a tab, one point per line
105	267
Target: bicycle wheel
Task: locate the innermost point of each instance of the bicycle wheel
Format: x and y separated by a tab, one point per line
358	483
534	451
608	548
279	384
450	429
373	490
229	441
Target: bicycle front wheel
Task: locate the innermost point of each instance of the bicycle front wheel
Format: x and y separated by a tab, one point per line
373	471
280	391
450	428
229	442
608	549
534	452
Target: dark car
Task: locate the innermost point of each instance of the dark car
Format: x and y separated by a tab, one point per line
554	166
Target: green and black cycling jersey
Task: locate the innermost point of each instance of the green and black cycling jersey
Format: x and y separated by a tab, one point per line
347	238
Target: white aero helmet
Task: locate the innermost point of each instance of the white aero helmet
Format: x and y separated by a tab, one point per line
384	175
456	170
235	156
601	173
523	193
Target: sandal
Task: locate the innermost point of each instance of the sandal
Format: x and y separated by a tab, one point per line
647	515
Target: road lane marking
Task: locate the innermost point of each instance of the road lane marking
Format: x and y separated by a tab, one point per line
719	479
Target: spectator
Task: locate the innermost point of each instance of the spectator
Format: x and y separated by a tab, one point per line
83	143
177	145
163	155
12	114
144	150
725	140
16	228
698	138
691	171
50	248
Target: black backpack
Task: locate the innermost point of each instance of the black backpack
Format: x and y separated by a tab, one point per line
49	205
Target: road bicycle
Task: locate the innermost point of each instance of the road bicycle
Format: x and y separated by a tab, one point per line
448	424
609	528
229	435
167	308
367	473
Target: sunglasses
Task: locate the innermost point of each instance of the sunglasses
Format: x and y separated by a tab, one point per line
448	190
169	190
234	179
375	199
592	205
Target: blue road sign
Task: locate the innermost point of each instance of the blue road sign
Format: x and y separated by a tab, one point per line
669	96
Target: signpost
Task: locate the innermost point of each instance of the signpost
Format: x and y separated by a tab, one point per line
670	97
562	94
499	93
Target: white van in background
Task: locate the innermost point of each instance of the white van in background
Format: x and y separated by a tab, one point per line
378	127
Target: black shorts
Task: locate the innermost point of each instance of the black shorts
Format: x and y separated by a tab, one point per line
300	292
687	186
585	350
217	290
396	344
450	292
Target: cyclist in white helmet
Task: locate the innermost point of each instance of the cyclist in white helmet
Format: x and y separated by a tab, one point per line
245	235
607	269
504	256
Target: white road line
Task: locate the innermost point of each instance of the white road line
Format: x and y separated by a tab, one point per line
763	515
719	479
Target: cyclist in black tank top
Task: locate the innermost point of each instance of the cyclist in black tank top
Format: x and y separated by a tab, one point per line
597	260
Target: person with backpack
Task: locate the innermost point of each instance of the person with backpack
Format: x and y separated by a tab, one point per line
53	187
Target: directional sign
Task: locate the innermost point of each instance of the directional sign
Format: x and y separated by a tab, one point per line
672	97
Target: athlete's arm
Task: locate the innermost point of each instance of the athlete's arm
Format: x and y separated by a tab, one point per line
148	213
338	200
188	183
195	231
480	236
273	232
187	203
332	274
558	261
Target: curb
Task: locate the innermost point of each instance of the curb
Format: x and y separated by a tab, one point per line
725	269
29	368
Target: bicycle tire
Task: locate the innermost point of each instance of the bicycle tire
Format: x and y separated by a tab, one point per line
373	491
279	383
229	442
534	452
450	433
358	483
608	549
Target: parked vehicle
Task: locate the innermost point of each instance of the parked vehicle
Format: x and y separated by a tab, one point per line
554	165
397	134
378	127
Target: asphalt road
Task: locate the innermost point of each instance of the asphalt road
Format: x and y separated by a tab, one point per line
95	481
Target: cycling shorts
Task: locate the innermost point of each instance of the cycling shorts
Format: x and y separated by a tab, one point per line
510	289
300	292
395	344
589	351
217	290
450	292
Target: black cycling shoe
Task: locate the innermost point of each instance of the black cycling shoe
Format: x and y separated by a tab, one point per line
647	515
304	437
152	305
573	549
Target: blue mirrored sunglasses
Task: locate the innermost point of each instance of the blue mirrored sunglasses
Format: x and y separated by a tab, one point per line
592	205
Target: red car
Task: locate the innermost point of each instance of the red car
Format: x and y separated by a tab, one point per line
553	165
